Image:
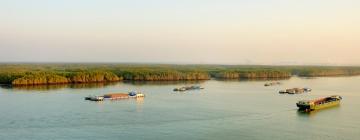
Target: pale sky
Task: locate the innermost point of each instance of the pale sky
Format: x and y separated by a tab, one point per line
280	32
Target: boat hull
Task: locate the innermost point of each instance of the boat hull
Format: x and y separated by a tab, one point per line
303	107
325	105
318	106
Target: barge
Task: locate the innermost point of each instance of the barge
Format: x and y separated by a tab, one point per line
295	91
272	84
310	105
188	88
116	96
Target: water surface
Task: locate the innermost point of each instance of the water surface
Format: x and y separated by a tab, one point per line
223	110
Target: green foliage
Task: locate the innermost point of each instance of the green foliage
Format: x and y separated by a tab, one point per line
251	74
169	75
96	76
31	74
327	71
6	78
40	78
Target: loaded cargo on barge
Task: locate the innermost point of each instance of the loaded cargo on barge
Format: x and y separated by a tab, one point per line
310	105
114	96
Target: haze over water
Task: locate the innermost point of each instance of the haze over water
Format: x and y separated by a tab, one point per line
272	32
223	110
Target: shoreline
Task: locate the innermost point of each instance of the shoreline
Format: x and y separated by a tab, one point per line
169	81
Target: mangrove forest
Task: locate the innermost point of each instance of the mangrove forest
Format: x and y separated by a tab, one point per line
43	74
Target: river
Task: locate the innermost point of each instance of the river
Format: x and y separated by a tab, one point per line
223	110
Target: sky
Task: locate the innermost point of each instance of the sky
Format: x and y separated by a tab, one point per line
258	32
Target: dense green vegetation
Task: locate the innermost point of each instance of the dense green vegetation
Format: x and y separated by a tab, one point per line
34	74
327	71
40	78
167	75
245	74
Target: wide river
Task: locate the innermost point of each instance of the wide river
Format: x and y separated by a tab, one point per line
224	110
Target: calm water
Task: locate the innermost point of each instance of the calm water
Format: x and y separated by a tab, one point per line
223	110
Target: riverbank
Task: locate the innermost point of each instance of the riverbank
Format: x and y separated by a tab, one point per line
43	74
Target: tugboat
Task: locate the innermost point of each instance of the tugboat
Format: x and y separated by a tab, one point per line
310	105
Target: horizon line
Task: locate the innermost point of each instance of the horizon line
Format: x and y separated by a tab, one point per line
164	63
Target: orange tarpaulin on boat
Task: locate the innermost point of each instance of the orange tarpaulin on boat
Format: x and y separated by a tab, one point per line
116	95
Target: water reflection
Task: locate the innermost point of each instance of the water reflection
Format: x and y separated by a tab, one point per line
57	86
253	79
163	82
139	104
105	84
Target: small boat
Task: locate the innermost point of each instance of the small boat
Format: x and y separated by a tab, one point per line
95	98
307	89
88	98
181	89
282	91
132	94
136	94
139	95
310	105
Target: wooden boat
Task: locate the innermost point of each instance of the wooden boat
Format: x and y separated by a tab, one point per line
309	105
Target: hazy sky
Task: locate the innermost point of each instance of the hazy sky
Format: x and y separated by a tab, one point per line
181	31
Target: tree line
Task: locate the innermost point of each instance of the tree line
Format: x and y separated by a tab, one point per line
36	74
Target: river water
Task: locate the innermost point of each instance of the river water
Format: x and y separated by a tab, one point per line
223	110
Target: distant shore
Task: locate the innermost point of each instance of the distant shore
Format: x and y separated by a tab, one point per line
44	74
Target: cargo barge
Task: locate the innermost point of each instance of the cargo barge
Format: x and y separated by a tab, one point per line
295	91
116	96
188	88
272	84
310	105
